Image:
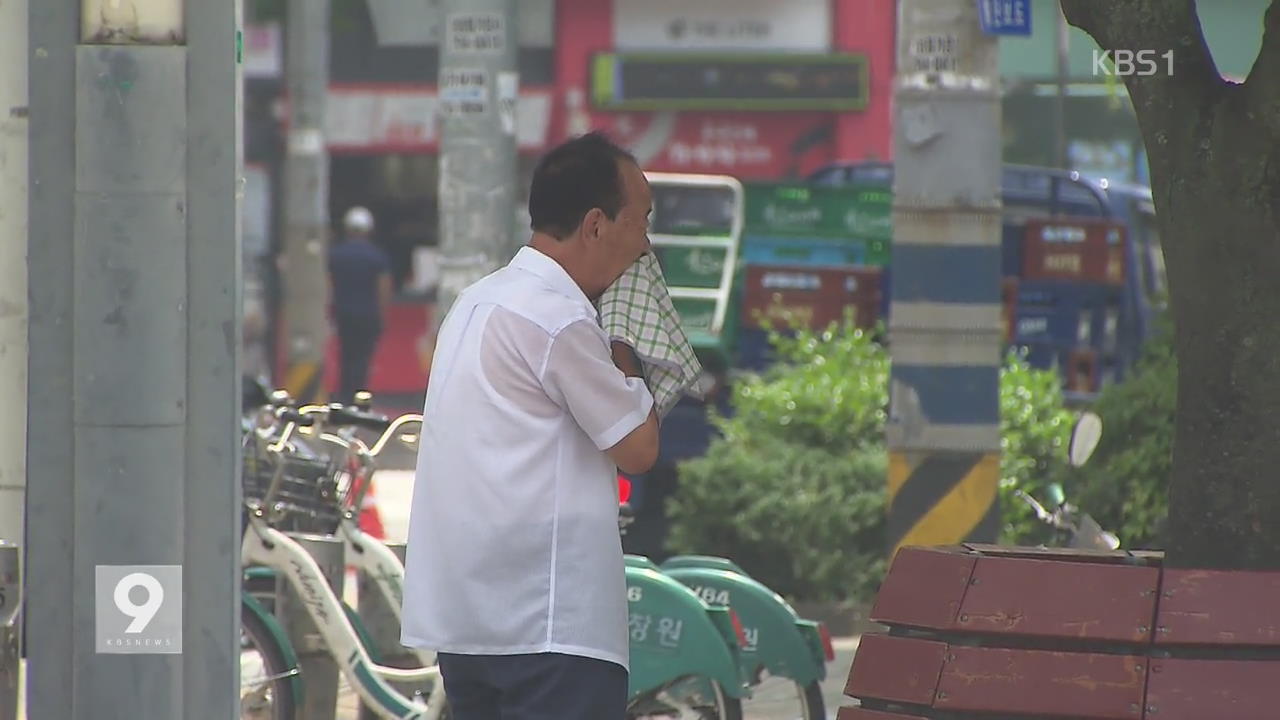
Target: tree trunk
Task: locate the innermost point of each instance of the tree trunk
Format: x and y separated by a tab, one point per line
1214	151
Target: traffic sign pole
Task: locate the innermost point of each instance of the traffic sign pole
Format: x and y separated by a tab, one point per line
946	329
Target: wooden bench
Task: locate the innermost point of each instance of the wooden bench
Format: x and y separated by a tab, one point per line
980	631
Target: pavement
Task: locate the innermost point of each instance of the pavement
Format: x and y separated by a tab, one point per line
832	687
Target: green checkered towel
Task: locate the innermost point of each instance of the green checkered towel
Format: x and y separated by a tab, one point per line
638	311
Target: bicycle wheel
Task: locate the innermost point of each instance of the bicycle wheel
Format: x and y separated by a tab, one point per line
266	682
702	697
781	697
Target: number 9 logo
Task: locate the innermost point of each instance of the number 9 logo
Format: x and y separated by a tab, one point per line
144	613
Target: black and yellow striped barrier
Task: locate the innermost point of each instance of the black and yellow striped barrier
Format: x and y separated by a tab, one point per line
942	498
305	382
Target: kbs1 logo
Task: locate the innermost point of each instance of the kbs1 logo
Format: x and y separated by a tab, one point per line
1123	63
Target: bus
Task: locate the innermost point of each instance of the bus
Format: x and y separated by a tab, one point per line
1083	268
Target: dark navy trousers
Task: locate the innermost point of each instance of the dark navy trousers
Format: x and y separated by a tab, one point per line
543	686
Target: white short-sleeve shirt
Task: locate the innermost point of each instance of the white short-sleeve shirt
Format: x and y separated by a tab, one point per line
513	541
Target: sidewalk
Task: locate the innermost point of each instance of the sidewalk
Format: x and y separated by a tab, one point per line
832	687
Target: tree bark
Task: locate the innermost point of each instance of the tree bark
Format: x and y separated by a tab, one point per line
1214	151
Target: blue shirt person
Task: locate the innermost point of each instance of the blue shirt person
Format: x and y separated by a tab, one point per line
360	288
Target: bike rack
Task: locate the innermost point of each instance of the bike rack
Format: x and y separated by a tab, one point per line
319	670
381	623
319	667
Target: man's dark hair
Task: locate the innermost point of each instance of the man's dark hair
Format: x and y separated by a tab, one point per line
569	181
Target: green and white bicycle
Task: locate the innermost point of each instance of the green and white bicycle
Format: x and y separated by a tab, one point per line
271	681
696	678
367	555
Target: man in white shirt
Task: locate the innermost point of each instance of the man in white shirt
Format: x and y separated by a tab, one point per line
514	570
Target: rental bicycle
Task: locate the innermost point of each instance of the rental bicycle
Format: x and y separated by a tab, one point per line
697	681
304	481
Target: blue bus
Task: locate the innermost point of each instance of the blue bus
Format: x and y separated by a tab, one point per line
1089	326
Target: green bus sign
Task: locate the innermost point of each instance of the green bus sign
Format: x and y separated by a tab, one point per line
692	266
861	212
697	315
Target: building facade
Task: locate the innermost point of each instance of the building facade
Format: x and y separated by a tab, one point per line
802	83
756	89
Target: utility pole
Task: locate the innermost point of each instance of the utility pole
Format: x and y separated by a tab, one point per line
945	314
13	266
306	199
1063	46
132	601
479	89
13	327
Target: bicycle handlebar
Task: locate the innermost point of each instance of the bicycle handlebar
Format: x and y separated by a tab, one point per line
340	415
392	430
295	417
281	398
1054	519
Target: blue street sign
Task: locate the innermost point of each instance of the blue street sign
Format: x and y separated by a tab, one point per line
1005	17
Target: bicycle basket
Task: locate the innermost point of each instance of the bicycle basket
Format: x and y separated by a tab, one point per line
308	497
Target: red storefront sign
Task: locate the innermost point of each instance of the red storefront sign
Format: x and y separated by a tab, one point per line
744	145
1089	251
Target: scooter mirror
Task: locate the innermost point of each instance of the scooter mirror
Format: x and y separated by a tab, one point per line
1084	438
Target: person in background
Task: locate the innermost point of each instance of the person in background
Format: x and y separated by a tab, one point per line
360	286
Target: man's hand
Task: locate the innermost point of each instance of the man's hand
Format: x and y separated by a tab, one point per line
625	358
638	451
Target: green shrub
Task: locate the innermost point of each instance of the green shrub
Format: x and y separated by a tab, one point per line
807	522
793	489
828	390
